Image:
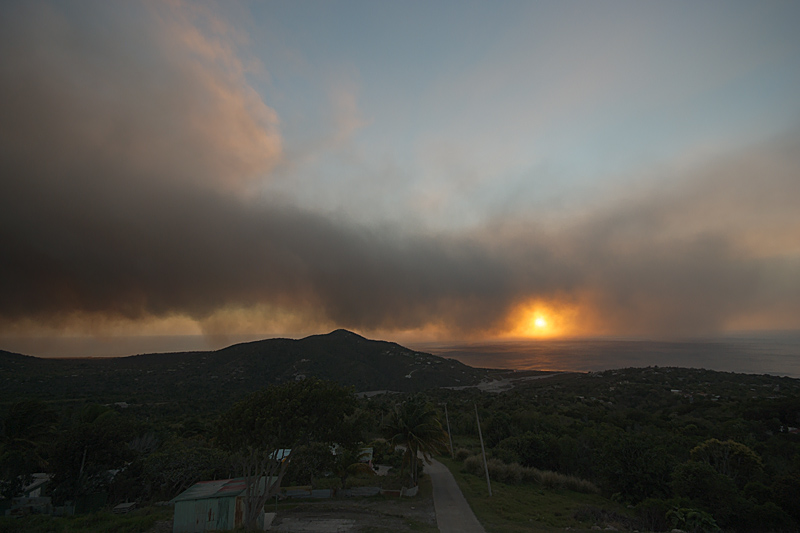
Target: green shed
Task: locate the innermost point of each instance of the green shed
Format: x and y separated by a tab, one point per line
211	505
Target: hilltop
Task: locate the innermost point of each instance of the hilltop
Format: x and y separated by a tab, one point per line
231	372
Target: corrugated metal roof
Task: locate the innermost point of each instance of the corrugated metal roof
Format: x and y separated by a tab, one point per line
212	489
221	488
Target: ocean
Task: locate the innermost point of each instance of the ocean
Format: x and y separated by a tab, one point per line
762	353
776	354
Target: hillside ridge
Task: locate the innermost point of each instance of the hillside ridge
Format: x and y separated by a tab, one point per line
233	371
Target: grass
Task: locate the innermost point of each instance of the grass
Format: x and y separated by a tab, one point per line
137	521
528	507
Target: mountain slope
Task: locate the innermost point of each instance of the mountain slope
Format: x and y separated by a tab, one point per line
231	372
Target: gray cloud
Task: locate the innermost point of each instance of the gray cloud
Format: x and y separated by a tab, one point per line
124	178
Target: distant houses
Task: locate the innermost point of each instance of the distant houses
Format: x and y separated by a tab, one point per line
30	499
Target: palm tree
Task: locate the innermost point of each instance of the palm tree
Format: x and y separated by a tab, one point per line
348	462
415	425
25	435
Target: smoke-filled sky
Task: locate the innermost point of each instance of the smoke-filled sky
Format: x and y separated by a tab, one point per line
406	170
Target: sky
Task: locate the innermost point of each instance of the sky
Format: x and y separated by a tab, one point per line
406	170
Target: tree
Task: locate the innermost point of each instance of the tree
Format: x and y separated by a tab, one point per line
308	462
84	456
179	464
498	428
636	467
283	417
347	461
729	458
26	431
704	486
415	425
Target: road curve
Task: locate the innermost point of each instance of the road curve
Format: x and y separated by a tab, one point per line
453	514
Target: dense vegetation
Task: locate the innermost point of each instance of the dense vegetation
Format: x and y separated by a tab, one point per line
685	447
671	447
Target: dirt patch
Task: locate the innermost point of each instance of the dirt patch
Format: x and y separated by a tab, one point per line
376	514
162	526
360	515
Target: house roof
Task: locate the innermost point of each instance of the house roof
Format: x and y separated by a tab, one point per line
221	488
39	479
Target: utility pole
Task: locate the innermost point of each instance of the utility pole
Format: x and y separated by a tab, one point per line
78	482
452	455
483	450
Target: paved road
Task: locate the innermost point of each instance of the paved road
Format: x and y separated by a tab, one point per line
453	514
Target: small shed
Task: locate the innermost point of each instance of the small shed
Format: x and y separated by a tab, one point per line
211	505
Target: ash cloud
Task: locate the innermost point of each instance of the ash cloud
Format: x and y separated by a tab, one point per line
126	155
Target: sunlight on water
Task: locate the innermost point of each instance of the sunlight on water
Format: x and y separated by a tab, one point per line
768	354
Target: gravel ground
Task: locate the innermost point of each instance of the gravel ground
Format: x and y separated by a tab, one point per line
361	515
353	515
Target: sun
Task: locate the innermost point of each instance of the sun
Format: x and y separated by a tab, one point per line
536	324
539	319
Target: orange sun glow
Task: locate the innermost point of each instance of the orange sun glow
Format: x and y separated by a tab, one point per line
538	319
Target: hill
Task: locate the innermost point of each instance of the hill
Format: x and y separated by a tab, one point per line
226	374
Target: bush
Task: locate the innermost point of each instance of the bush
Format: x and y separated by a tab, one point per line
511	474
550	479
554	480
531	475
589	513
514	474
462	454
652	514
692	520
474	465
768	516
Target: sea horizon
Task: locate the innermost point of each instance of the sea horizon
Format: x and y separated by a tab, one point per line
774	353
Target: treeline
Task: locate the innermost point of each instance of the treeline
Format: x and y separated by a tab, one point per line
686	448
99	455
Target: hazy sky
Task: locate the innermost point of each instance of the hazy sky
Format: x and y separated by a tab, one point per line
407	170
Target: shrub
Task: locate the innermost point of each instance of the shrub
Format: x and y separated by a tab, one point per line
554	480
692	520
462	454
514	474
652	514
511	474
550	479
589	513
474	465
580	485
531	475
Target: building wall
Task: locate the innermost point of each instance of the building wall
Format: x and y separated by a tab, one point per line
196	516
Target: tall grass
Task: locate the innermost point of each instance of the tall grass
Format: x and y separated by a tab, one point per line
514	474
